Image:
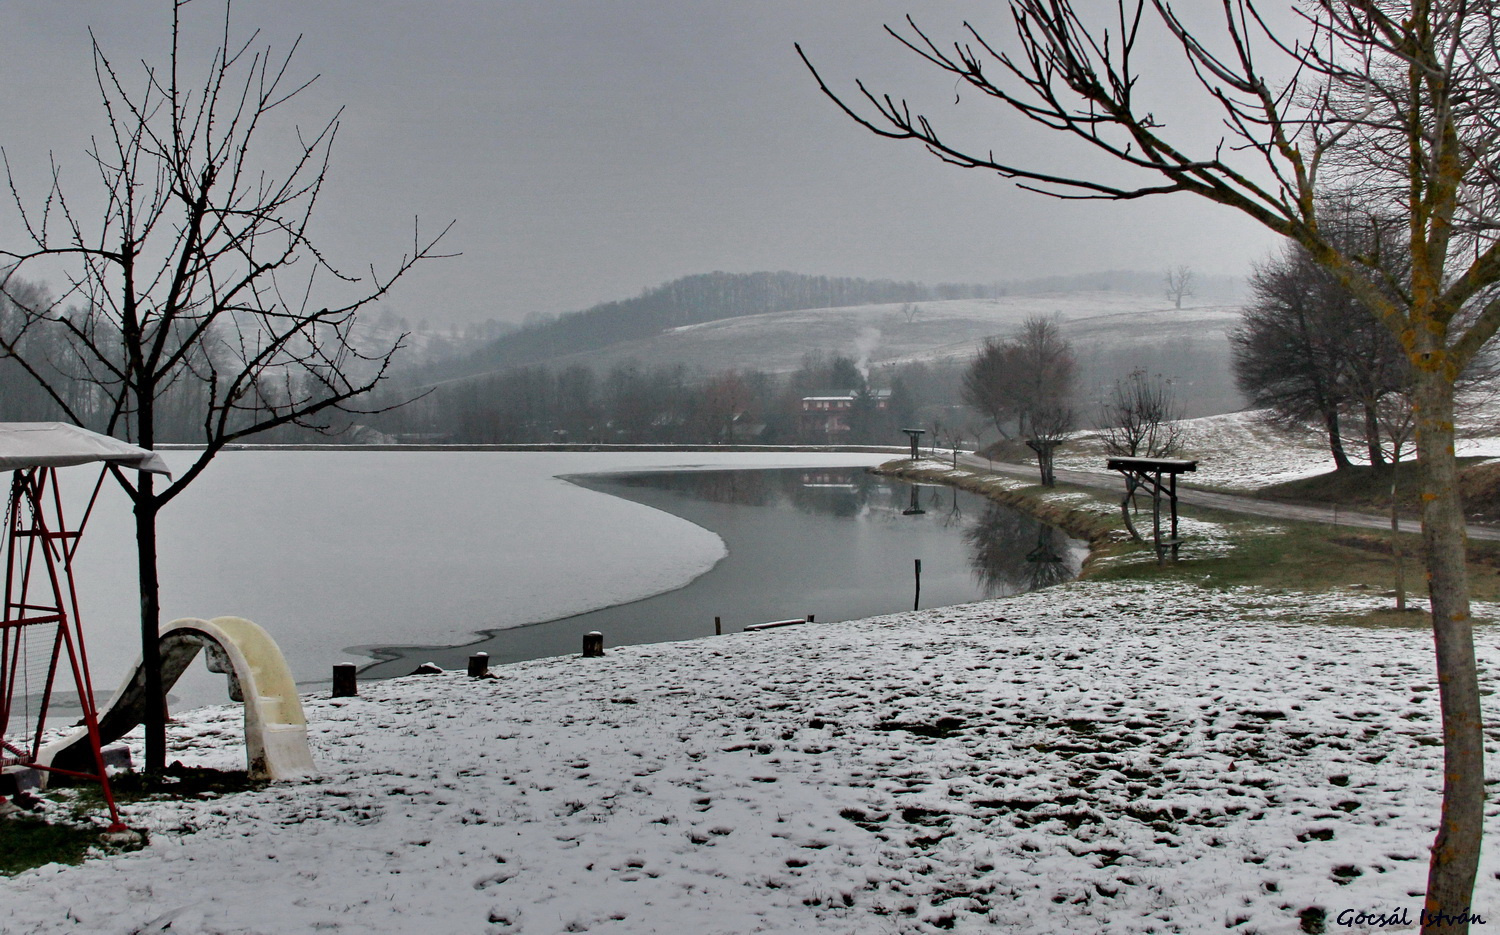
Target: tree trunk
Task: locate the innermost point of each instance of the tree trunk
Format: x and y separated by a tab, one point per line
155	719
1398	559
1455	852
1372	437
1335	440
1043	451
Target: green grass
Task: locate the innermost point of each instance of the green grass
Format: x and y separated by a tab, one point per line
71	830
1310	557
1264	552
27	842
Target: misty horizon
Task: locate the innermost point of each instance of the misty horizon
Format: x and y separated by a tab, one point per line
588	152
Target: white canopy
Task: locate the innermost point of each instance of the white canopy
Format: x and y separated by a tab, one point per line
58	444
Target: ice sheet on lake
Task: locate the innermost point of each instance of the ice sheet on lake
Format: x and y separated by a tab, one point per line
329	550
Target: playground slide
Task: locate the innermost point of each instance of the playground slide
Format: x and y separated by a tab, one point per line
275	728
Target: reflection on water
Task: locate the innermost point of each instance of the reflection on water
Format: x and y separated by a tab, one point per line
1000	559
1010	552
843	492
838	543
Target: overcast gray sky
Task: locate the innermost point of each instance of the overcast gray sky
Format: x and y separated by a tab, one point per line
592	148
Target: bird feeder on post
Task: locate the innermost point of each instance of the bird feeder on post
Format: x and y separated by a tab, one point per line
914	434
1147	472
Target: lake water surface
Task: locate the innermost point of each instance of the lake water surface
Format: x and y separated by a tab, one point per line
337	551
836	543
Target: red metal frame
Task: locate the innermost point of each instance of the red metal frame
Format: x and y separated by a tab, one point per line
38	543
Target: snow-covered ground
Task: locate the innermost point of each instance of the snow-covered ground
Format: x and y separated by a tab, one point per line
1098	757
1234	451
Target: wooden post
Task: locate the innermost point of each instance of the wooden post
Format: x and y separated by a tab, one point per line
1156	517
1173	492
917	593
479	665
718	627
593	644
810	618
343	681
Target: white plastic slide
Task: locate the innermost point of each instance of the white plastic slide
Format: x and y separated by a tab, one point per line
275	728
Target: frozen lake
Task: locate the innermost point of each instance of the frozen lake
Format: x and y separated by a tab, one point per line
838	543
330	550
333	549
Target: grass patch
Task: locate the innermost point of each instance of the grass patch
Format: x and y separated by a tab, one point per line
1362	487
1314	557
1252	550
66	831
1304	556
1413	617
30	841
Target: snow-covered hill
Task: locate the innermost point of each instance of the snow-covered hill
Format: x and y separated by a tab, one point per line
880	334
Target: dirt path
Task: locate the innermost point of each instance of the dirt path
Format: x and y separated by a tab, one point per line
1334	515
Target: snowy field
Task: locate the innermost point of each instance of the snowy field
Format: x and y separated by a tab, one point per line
1234	451
1238	451
336	549
941	330
1111	758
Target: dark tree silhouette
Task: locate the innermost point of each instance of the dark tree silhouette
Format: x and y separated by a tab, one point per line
1025	384
197	292
1308	352
1140	419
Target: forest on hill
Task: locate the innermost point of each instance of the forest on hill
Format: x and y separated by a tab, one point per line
689	300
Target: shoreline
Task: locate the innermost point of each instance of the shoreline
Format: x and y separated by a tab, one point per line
1081	515
699	513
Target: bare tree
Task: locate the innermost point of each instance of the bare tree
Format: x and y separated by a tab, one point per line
198	285
1046	415
1048	426
1179	284
1309	353
1048	371
1025	385
1395	99
989	386
1141	418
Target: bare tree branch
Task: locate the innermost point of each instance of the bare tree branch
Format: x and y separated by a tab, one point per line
199	307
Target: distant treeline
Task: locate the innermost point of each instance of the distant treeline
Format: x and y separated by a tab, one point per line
84	389
687	301
634	403
640	403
